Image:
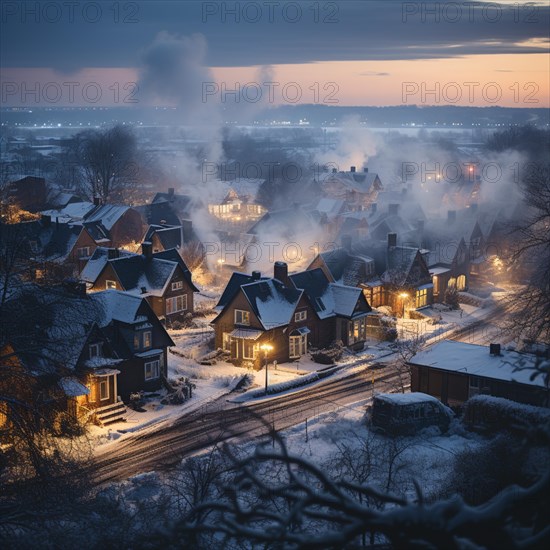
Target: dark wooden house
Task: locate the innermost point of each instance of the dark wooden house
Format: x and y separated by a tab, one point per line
455	371
161	278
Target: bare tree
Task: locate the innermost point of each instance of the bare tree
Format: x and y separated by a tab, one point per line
529	307
321	512
108	160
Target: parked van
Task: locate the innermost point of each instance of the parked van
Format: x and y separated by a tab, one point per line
408	413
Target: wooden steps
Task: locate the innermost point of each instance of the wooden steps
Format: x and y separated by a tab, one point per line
115	412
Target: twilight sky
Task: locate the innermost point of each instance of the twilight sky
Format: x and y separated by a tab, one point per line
345	53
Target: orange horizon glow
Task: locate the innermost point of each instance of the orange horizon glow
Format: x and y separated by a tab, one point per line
505	80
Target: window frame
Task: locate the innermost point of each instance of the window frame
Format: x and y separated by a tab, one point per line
300	315
245	317
97	346
177	285
297	346
110	284
170	310
104	383
80	249
155	366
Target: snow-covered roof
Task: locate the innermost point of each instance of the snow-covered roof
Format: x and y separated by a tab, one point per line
107	214
74	211
118	306
475	360
411	398
72	387
272	302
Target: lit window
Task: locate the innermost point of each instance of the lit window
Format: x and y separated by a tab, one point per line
177	285
357	331
226	344
110	285
422	297
249	349
175	304
137	341
297	345
147	339
242	317
95	350
152	370
104	389
300	315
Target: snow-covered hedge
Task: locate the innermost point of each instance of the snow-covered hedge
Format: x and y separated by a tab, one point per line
498	413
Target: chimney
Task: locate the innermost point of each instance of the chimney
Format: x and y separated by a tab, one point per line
393	209
420	225
46	220
170	191
494	349
392	239
373	208
113	253
334	170
143	290
352	169
256	275
97	201
280	272
57	222
147	249
451	215
366	170
346	242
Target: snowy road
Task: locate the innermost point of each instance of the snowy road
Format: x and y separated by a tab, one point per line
221	421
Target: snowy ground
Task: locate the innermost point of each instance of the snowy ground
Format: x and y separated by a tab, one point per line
213	381
426	458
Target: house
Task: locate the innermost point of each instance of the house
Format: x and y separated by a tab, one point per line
84	351
235	201
342	311
161	278
169	208
358	189
343	266
455	371
288	312
105	225
388	274
42	248
165	237
29	193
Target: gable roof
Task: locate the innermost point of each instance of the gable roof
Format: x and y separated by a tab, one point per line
135	272
106	214
327	299
288	222
235	282
348	268
272	302
170	236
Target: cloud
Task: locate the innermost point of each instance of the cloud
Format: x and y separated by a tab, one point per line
373	73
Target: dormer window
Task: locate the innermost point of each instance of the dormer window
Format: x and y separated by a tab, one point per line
242	317
95	350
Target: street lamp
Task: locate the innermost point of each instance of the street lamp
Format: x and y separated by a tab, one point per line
266	348
403	297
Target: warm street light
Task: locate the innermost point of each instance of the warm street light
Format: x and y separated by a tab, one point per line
266	348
